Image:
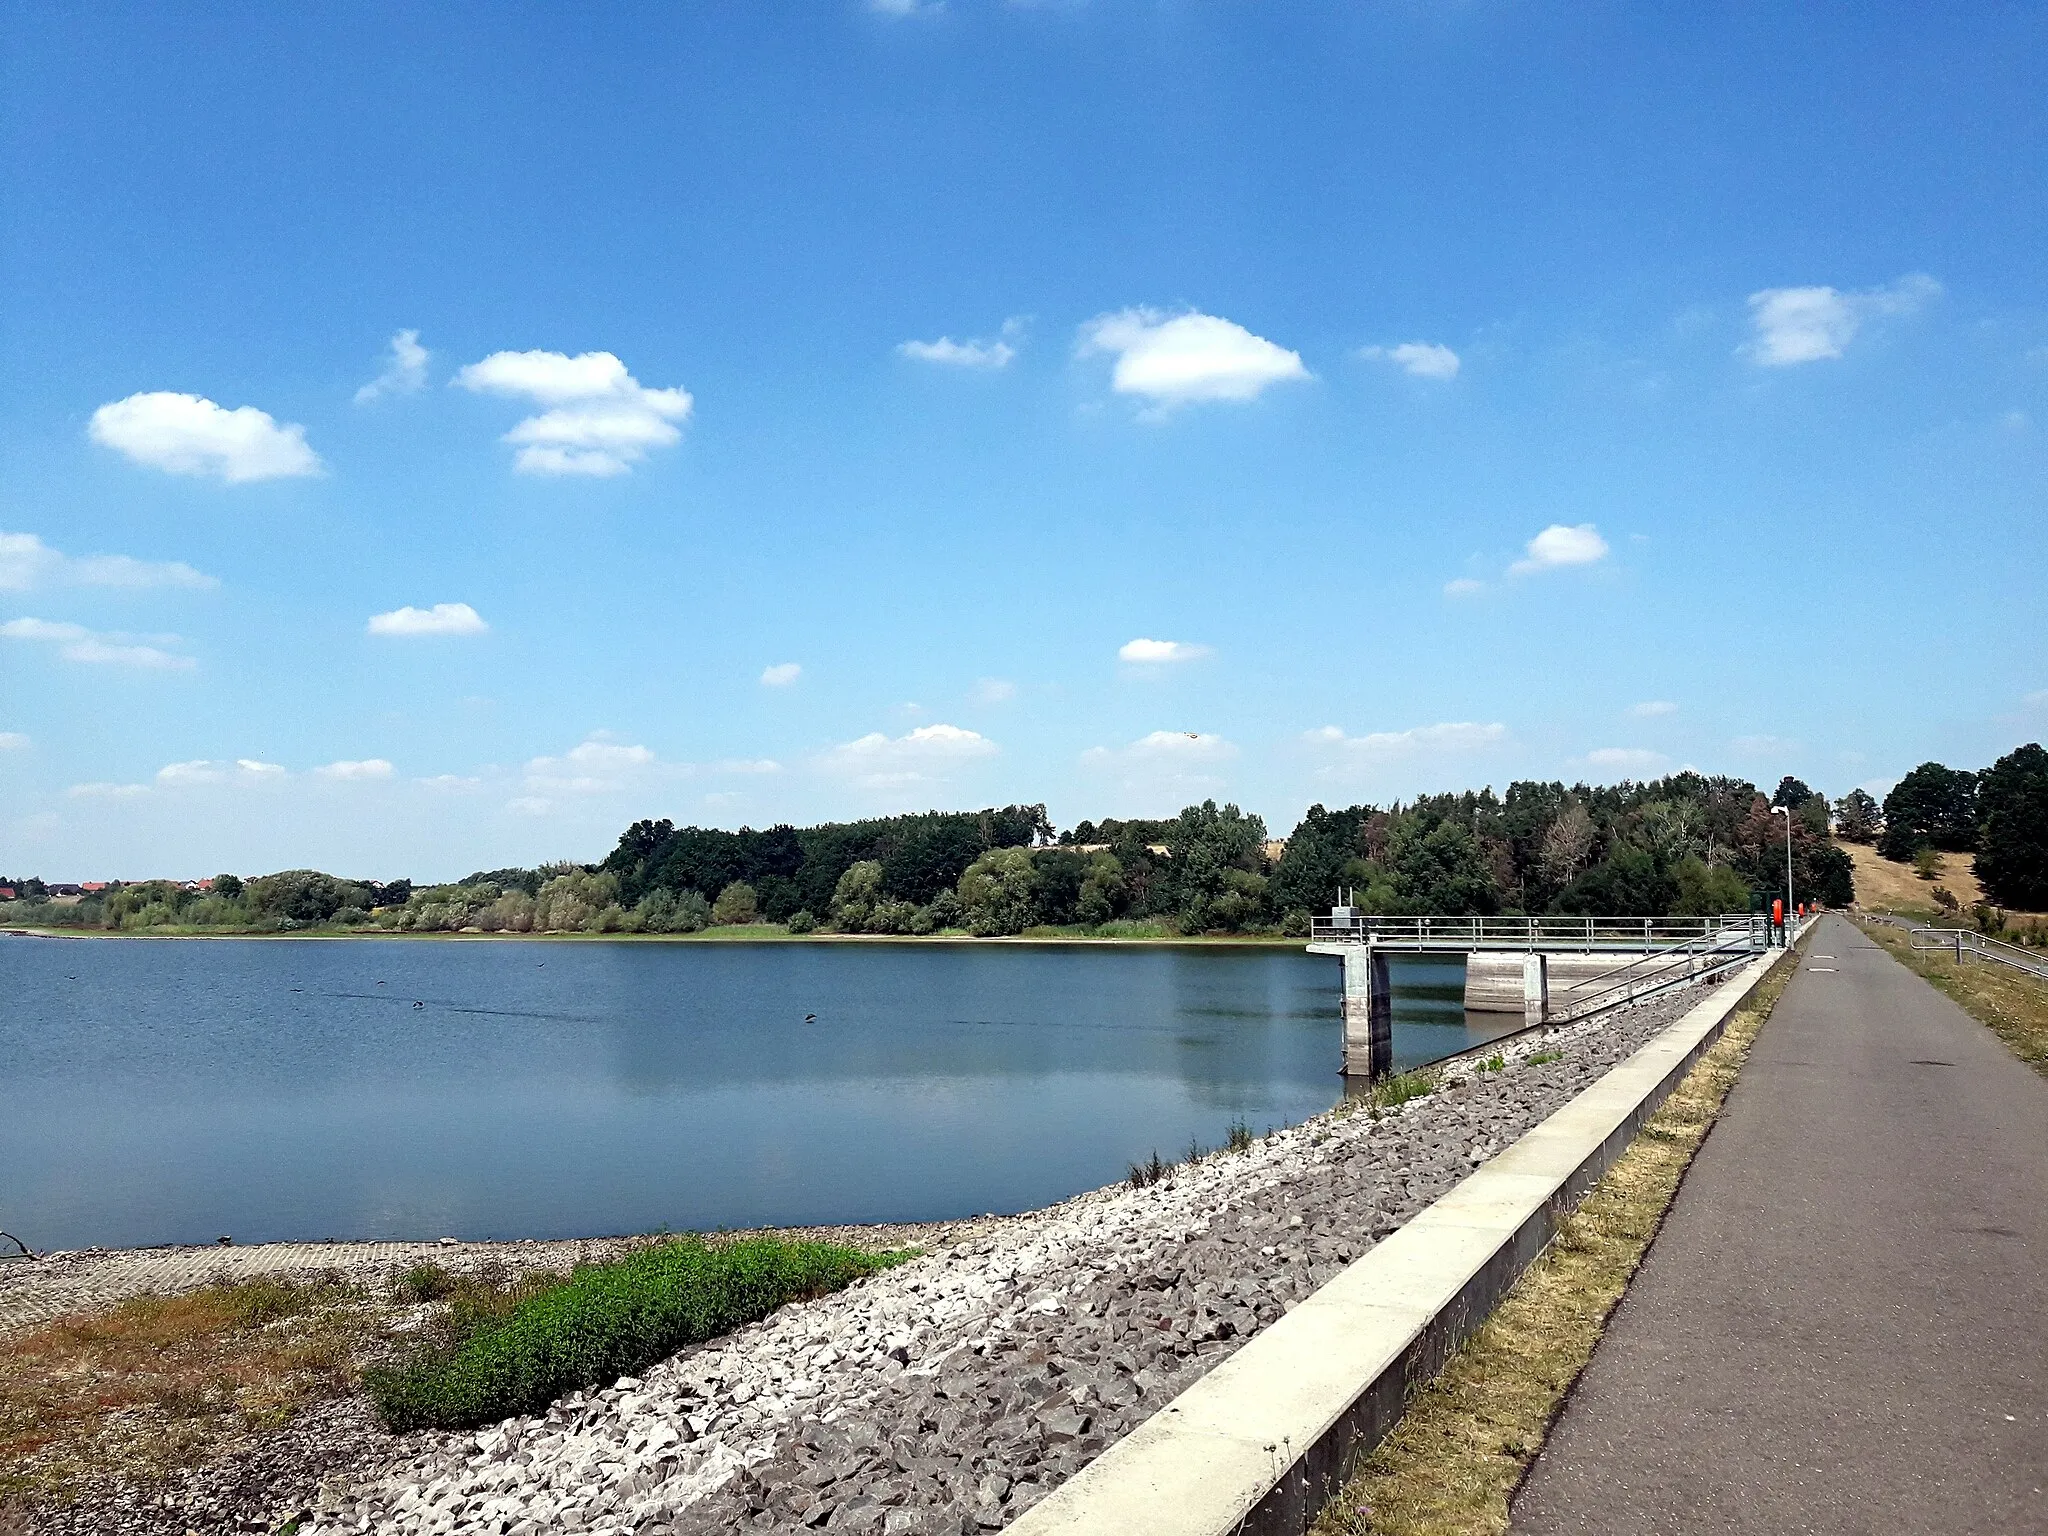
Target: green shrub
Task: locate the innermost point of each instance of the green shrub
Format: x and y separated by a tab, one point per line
604	1322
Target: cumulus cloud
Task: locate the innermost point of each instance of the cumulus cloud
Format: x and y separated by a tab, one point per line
1626	759
599	419
75	642
1172	360
1448	737
781	675
1559	546
992	690
1153	653
103	791
996	352
1650	709
1463	586
594	767
190	435
364	768
1809	325
13	741
405	374
242	770
1419	359
922	756
1164	766
747	765
441	619
26	562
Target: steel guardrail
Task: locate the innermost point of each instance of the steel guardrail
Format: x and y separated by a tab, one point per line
1967	941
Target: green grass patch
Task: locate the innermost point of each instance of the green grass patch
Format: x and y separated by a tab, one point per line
606	1321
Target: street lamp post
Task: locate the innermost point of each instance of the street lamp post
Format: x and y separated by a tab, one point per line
1786	812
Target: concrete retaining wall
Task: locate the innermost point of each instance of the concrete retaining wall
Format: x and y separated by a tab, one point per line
1264	1440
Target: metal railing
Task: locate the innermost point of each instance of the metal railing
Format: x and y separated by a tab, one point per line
1967	941
1682	965
1344	926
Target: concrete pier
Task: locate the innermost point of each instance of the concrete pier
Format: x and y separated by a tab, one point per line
1495	979
1368	1009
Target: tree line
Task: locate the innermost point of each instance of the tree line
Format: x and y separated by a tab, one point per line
1683	844
2000	814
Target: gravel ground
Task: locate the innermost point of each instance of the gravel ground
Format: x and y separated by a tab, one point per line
948	1395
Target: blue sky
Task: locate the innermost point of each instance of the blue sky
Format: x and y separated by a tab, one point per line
431	437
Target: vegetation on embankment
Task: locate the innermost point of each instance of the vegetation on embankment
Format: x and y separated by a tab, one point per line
2012	1004
158	1383
606	1321
1450	1467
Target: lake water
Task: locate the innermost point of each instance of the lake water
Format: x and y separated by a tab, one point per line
175	1090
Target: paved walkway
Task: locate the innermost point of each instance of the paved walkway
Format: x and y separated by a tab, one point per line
1843	1326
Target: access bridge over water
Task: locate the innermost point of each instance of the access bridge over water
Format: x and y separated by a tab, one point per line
1554	969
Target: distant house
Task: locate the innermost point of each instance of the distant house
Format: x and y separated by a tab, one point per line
89	887
1275	846
6	893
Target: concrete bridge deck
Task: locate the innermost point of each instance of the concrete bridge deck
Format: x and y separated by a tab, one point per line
1843	1326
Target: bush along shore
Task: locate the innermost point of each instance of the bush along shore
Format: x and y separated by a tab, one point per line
1686	844
951	1392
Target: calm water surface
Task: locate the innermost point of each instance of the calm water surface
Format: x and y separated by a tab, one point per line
174	1090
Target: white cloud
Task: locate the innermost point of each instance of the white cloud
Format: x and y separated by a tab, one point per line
1420	359
365	768
1650	709
600	419
1807	325
1167	747
1152	653
781	675
949	353
1463	586
243	770
77	643
992	690
1447	737
190	435
922	756
529	805
13	741
27	562
405	374
106	791
1561	545
1178	359
441	619
1763	745
594	767
748	765
906	7
1165	766
1626	759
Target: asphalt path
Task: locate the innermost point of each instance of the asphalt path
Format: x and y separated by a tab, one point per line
1843	1325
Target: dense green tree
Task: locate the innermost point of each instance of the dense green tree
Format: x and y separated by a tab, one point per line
1791	792
2012	846
855	896
1932	806
1705	890
996	892
1857	817
736	904
1440	870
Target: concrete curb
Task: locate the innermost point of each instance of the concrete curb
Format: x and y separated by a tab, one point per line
1262	1442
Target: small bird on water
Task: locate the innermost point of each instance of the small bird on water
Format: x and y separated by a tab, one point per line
418	1004
810	1018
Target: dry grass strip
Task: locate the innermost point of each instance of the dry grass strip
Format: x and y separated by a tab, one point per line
1453	1462
2012	1004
